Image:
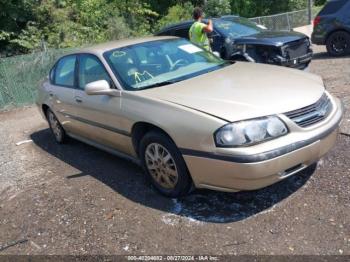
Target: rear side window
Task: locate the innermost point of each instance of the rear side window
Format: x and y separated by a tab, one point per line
182	32
52	74
65	71
332	7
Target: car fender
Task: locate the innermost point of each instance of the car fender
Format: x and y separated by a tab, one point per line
187	127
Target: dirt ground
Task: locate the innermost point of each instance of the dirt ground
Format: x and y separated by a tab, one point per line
75	199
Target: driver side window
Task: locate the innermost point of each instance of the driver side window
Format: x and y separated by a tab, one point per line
91	69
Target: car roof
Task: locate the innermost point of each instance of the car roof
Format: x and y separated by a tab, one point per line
101	48
190	22
182	23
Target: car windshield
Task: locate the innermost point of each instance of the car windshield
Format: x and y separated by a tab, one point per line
160	62
237	27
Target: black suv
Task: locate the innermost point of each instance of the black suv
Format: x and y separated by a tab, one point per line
332	27
237	38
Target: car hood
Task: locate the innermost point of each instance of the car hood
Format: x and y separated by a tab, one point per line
272	38
243	91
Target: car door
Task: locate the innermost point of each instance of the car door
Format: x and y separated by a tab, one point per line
346	18
99	116
216	42
215	39
62	89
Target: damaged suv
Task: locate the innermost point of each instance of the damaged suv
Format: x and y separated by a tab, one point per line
237	38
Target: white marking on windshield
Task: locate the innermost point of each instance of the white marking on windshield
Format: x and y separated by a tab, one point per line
189	48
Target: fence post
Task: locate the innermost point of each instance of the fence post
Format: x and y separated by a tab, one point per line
2	100
288	21
309	11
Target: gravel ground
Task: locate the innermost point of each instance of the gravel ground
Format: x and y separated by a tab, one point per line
75	199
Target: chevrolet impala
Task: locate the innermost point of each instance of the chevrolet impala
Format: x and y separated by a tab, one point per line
191	119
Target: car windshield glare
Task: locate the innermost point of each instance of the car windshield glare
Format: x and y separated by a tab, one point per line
237	27
160	62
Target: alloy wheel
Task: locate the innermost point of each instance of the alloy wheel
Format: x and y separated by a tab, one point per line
339	44
161	165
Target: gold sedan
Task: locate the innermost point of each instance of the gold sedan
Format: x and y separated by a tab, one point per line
188	117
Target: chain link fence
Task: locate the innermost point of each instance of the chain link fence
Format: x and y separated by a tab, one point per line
21	75
286	21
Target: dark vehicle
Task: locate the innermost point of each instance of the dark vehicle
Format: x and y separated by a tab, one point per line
237	38
332	27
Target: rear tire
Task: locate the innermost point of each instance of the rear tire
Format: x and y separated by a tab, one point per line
164	165
338	43
55	127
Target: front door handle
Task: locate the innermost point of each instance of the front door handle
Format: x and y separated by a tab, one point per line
78	100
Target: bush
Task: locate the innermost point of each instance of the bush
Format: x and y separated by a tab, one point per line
320	2
215	8
117	28
175	14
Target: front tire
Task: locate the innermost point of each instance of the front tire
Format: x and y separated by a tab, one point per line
55	127
164	165
338	43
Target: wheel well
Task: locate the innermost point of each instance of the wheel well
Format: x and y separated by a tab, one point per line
334	31
140	129
45	108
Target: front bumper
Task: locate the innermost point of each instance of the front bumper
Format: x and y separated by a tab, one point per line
233	172
299	62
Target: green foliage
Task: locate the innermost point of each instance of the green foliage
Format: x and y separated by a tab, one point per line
138	15
29	38
5	36
216	8
175	14
253	8
117	28
26	24
320	2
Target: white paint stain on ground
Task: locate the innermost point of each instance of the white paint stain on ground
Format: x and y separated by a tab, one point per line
215	207
24	142
170	219
174	218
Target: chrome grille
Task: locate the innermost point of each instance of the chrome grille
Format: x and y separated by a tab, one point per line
312	114
297	49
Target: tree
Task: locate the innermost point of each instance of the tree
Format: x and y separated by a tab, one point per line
175	14
215	8
320	2
14	15
26	24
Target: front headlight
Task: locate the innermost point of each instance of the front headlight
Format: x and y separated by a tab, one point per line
249	132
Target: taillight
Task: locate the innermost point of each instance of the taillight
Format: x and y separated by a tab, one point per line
317	20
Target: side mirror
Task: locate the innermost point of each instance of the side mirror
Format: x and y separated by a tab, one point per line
101	87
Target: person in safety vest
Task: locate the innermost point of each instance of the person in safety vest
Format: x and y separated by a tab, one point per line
198	31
